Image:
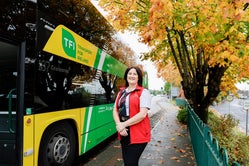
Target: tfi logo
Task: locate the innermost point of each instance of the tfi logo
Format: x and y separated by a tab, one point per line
68	43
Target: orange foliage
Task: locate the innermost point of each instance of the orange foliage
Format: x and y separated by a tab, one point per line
169	72
217	27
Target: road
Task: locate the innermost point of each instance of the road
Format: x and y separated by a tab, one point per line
235	108
109	152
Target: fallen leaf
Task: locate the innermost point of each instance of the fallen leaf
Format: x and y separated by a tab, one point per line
174	158
179	134
182	150
161	162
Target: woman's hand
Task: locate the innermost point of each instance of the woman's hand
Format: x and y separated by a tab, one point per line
123	132
120	126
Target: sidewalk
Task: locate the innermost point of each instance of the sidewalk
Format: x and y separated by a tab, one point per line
170	144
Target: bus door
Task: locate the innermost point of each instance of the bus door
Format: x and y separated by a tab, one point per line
11	87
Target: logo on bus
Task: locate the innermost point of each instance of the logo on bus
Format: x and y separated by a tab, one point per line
68	43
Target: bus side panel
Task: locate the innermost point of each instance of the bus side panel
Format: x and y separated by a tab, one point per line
28	138
97	136
72	46
111	65
103	114
99	125
88	126
42	121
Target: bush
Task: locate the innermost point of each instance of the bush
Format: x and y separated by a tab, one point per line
182	115
224	129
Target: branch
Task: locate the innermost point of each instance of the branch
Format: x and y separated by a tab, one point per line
182	59
185	52
173	50
245	6
215	75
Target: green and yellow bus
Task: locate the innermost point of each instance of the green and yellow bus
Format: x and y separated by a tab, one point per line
57	89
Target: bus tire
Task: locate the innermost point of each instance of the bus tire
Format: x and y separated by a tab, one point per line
58	146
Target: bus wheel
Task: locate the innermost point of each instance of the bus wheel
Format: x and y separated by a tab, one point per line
58	146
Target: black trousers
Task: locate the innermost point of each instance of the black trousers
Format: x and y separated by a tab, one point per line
131	153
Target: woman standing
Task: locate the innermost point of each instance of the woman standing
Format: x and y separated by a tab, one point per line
131	116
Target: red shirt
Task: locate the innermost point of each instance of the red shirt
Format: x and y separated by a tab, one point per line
140	132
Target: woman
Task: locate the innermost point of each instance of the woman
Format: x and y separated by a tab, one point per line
131	116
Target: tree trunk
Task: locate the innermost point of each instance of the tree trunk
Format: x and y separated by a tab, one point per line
202	112
200	82
194	91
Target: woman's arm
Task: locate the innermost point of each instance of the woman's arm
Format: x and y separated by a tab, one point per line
122	132
145	103
137	118
115	115
134	120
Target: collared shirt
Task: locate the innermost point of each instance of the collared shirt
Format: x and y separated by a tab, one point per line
145	100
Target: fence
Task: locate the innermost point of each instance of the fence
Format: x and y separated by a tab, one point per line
206	148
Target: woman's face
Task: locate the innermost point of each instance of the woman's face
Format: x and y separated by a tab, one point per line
132	77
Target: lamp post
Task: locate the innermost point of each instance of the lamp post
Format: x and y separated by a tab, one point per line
246	107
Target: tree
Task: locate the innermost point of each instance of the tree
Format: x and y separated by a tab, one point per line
167	87
122	52
208	41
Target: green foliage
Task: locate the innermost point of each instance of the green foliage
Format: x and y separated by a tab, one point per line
156	92
167	87
225	130
182	115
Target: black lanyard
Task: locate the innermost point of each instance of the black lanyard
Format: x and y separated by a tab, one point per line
121	105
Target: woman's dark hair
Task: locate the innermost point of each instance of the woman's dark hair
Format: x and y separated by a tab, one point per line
139	73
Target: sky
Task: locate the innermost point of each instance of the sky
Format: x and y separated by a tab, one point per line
243	86
155	83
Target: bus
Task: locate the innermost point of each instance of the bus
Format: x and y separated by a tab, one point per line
57	89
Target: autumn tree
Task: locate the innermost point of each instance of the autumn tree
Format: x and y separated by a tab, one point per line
123	52
208	41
